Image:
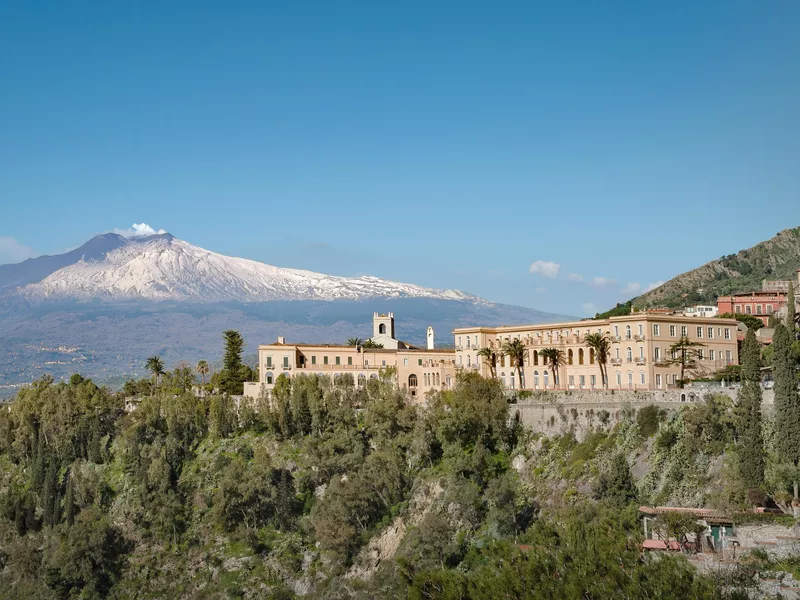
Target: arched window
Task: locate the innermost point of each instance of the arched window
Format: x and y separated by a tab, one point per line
569	356
270	379
447	381
469	361
503	360
412	380
373	376
503	379
630	379
536	358
627	332
591	356
467	341
362	380
382	328
545	379
438	379
580	356
629	354
536	380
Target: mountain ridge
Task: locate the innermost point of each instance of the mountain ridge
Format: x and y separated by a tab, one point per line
775	258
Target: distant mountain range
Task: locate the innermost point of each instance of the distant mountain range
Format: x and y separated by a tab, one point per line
102	308
776	258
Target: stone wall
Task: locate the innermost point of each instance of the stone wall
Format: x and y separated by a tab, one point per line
557	412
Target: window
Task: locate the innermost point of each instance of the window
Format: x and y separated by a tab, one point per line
412	380
269	362
672	330
641	330
467	341
656	353
314	359
512	380
739	308
627	332
701	354
580	356
269	379
619	379
641	352
748	309
419	361
728	356
324	360
503	379
338	360
545	379
616	330
405	361
769	309
571	381
658	381
366	363
591	356
630	379
700	333
710	333
383	363
641	377
285	362
583	381
727	333
469	361
684	331
593	380
382	328
459	360
350	360
712	355
459	341
629	354
569	356
616	353
536	379
656	329
476	341
535	358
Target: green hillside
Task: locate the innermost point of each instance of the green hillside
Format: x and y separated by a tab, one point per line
776	258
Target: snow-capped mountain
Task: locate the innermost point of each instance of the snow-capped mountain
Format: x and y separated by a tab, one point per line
162	267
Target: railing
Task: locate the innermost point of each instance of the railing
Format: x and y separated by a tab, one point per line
641	361
639	338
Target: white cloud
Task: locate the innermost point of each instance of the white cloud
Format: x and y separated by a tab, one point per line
575	277
138	230
11	251
654	285
631	288
589	309
601	281
541	290
545	268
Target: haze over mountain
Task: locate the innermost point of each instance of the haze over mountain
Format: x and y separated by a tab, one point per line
107	305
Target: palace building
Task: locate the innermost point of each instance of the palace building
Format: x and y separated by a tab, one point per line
418	370
640	357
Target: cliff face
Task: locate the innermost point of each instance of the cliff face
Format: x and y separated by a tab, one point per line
776	258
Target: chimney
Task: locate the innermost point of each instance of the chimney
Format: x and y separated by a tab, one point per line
281	339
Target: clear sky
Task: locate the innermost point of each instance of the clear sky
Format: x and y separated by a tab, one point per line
449	144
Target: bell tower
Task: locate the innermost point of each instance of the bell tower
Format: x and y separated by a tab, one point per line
383	325
430	338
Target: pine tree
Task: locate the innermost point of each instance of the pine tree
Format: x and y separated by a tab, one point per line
748	422
233	379
616	484
787	400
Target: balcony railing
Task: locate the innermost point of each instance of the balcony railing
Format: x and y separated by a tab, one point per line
639	338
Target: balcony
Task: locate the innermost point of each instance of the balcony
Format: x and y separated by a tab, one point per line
639	338
641	361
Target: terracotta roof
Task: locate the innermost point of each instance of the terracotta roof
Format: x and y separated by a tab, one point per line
700	513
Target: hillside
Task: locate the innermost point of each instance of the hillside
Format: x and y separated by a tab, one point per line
776	258
306	497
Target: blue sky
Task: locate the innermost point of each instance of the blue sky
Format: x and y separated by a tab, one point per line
459	144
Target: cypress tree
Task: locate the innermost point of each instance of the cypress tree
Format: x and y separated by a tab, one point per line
790	311
94	444
787	400
748	426
49	495
69	502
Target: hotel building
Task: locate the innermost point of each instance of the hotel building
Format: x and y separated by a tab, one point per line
772	298
419	370
640	358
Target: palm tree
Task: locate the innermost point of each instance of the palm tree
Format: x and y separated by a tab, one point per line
354	341
515	351
370	345
491	357
601	345
684	353
155	365
555	356
202	368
